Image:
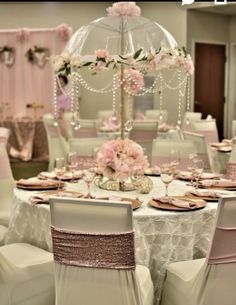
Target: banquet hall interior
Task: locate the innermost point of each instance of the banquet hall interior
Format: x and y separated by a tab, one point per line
117	153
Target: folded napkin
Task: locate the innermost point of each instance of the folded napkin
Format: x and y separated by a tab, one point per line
188	175
218	183
181	203
47	175
153	170
66	176
43	198
204	193
36	182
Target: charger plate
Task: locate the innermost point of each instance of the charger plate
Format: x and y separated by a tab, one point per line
136	203
200	203
206	198
38	187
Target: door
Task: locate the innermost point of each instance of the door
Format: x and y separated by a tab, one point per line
210	81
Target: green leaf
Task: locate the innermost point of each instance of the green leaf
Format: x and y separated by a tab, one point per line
124	58
137	53
87	64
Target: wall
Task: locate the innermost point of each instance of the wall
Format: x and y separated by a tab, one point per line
76	14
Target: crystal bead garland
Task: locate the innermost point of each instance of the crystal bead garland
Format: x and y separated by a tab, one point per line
114	88
55	100
72	94
161	98
179	102
188	99
128	123
76	102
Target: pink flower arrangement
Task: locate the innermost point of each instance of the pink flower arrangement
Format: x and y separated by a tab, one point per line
133	81
23	35
121	159
123	9
102	53
64	32
186	63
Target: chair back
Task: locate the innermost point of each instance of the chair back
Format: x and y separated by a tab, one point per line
233	128
158	115
223	247
7	185
161	149
201	146
189	118
88	129
93	247
4	135
208	128
58	148
104	114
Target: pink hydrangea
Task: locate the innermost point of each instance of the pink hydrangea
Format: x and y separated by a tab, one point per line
133	81
121	159
123	9
102	53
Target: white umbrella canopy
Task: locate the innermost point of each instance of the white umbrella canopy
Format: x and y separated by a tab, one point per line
106	32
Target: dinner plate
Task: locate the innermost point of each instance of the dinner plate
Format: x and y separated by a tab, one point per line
151	172
43	197
136	203
187	176
206	198
37	187
200	203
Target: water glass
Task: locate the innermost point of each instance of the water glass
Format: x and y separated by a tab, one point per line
88	177
60	169
167	175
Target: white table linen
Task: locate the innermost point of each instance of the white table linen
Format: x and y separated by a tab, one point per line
161	237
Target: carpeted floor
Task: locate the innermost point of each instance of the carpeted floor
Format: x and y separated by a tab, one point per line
27	169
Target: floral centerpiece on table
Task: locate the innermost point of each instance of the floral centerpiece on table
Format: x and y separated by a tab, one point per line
121	159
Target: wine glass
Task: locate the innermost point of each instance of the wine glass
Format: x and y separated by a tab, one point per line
174	160
60	169
88	177
167	175
197	171
190	165
72	164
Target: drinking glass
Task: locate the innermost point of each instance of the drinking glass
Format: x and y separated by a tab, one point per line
197	171
60	169
174	160
167	175
72	162
88	177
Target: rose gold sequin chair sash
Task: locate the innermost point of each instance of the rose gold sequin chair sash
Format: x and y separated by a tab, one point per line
109	251
223	248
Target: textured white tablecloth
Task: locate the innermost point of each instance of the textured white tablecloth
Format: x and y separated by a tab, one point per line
162	237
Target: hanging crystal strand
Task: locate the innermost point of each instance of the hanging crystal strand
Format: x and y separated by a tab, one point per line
128	123
55	114
161	97
188	97
73	110
179	101
76	101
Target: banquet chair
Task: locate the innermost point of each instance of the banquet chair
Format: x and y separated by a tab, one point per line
99	267
189	118
159	115
233	128
161	149
3	231
26	275
210	280
57	145
104	114
4	135
88	128
203	150
208	128
6	186
86	149
144	132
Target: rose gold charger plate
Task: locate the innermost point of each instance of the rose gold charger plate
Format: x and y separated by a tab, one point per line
200	203
38	187
187	176
136	203
206	198
43	197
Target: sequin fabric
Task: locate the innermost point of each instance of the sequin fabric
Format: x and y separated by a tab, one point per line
110	251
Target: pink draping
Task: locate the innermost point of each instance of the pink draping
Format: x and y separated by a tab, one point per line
25	83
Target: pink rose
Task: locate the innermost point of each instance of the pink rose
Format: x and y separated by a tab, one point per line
101	53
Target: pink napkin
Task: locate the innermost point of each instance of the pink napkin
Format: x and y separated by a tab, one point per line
206	193
44	198
217	183
36	182
181	203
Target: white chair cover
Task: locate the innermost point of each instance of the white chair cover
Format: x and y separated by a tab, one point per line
104	114
86	146
26	275
231	165
7	185
57	145
3	231
233	128
144	132
161	149
201	146
4	135
209	281
208	128
91	285
88	129
158	115
189	118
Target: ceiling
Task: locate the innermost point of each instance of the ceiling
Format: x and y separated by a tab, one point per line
225	9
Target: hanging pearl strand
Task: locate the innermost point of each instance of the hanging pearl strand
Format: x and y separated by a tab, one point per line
188	98
179	103
55	100
161	98
108	88
77	105
73	120
114	95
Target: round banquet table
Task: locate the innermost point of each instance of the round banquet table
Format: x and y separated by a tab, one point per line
161	237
